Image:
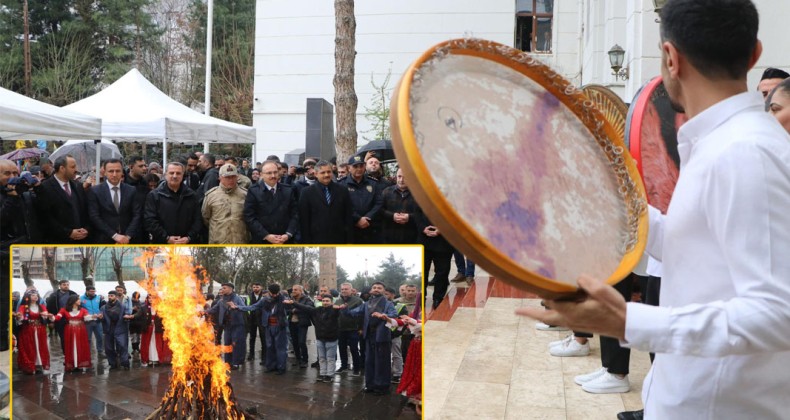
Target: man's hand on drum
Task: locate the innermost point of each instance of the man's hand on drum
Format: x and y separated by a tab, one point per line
602	311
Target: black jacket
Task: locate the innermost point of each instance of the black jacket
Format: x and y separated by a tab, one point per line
169	213
266	214
304	316
209	180
325	320
323	223
397	201
106	221
59	214
433	244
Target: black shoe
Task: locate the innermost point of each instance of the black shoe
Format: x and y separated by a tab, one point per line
355	373
314	364
631	415
380	392
327	378
303	365
126	368
234	367
280	372
369	390
262	363
113	367
250	358
269	370
342	369
396	379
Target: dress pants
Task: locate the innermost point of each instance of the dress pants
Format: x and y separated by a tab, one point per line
299	339
614	357
95	329
441	265
349	339
255	331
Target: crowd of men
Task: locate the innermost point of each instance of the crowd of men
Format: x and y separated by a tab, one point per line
344	328
208	199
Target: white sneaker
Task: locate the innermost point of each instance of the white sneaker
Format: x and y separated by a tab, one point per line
546	327
564	341
572	349
607	384
587	377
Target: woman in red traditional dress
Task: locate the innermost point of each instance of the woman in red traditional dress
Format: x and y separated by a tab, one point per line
78	347
411	380
33	350
153	346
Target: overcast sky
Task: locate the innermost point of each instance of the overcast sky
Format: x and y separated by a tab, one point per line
352	258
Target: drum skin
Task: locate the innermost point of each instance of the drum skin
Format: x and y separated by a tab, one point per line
651	136
517	167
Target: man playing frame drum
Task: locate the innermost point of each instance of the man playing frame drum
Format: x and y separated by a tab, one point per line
724	242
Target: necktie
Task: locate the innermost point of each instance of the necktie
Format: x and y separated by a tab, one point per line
68	190
273	191
116	199
328	196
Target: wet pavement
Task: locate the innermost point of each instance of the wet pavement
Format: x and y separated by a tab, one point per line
134	394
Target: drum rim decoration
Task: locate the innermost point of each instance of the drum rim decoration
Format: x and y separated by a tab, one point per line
613	100
458	231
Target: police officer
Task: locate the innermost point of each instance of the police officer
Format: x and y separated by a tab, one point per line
366	202
223	209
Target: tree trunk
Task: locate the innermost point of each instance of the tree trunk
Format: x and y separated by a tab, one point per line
49	256
26	274
345	95
117	264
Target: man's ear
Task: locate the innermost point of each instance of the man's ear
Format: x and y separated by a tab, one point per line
672	59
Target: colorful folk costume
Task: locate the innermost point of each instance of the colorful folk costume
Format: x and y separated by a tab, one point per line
411	381
153	346
75	334
33	350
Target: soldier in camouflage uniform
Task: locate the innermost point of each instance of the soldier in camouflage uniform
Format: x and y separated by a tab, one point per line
223	209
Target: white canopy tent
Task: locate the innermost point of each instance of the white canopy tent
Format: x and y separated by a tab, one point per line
23	118
133	109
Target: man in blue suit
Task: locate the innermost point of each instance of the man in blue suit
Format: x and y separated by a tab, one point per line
271	209
115	214
378	338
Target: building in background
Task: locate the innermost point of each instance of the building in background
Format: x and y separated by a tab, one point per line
327	267
68	263
294	48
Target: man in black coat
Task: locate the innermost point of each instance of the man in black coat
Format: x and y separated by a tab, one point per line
115	213
366	202
172	210
325	209
398	213
437	251
209	174
62	206
271	209
55	302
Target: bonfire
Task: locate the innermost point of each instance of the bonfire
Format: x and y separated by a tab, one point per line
199	384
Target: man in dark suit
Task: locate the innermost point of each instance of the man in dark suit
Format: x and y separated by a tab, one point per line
115	214
325	209
62	205
172	211
271	209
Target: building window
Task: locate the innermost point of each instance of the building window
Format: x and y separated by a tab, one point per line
533	25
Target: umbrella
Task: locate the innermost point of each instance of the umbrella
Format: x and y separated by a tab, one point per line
84	152
383	149
27	153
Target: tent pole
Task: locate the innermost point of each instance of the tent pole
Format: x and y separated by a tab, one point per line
209	35
164	154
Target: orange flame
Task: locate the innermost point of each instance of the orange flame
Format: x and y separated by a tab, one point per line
176	295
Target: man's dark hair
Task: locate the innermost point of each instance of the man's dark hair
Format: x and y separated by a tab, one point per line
772	73
283	165
134	159
255	283
717	36
274	288
273	157
232	160
210	158
111	160
378	282
61	161
193	156
322	163
90	288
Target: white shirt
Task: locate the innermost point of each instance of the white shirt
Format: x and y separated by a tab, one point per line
723	328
